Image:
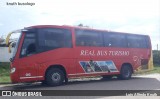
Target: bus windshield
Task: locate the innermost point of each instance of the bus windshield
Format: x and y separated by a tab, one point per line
12	41
16	46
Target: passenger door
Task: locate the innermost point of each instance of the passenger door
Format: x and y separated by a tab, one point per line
28	68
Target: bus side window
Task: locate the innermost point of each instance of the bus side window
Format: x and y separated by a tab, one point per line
135	41
88	38
114	40
82	43
95	43
53	38
31	49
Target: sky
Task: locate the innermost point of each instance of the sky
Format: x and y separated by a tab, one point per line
132	16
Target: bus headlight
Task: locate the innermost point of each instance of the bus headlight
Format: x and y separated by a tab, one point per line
13	70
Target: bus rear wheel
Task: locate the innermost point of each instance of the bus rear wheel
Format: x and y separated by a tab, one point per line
54	77
125	73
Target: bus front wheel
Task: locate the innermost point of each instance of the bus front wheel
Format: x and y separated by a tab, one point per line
125	73
55	77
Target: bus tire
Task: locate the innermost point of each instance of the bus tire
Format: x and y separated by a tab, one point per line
54	77
125	73
66	80
43	82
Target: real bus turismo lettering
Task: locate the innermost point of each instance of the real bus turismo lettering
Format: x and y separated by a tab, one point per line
103	53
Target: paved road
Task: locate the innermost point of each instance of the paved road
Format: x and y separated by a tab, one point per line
149	82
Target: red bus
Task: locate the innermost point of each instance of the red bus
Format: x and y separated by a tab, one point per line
52	54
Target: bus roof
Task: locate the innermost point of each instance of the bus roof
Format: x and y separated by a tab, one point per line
79	27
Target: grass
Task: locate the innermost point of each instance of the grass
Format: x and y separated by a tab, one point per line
4	73
156	69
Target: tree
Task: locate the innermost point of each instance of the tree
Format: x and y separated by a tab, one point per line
81	25
156	57
1	40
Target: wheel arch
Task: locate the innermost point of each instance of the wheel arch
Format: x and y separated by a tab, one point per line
61	67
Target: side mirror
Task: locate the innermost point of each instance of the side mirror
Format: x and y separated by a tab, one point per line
12	44
9	48
11	59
